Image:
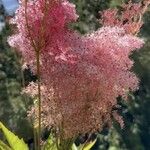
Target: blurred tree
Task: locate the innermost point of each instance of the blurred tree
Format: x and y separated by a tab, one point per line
2	14
88	11
12	105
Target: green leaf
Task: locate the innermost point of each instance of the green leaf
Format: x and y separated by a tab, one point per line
50	144
80	147
14	142
74	147
89	145
3	146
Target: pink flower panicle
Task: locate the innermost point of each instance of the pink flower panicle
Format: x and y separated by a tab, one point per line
82	75
129	17
43	27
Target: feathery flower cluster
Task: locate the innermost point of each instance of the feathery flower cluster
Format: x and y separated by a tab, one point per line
81	75
129	17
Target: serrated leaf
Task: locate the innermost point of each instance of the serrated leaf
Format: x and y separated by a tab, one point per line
14	142
3	146
89	145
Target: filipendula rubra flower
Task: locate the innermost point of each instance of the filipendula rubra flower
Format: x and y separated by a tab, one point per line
81	75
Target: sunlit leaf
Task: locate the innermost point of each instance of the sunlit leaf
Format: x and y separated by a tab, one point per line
50	144
89	145
74	147
3	146
14	142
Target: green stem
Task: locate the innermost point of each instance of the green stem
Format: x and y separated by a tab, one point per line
35	137
39	97
37	51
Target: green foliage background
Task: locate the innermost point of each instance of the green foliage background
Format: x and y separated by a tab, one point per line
13	105
136	113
